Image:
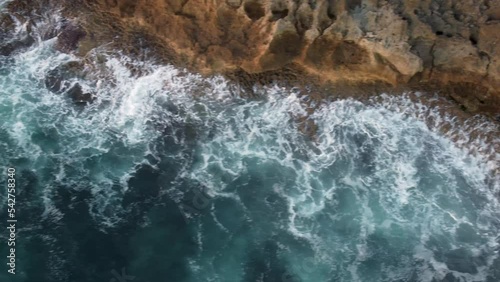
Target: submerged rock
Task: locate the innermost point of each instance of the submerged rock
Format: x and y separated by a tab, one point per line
62	80
10	47
78	96
10	43
55	77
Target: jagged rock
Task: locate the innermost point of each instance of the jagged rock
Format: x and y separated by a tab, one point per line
75	92
61	80
7	27
449	44
55	77
284	47
9	48
69	37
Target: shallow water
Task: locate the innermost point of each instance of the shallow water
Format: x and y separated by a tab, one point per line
168	176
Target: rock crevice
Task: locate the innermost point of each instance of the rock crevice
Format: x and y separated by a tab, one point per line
414	43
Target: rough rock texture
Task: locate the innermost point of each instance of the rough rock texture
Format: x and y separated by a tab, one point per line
451	44
448	45
69	37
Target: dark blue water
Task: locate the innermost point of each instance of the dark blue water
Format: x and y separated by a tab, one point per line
169	176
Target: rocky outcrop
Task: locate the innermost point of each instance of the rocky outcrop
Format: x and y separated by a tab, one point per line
445	45
9	44
69	37
450	44
63	79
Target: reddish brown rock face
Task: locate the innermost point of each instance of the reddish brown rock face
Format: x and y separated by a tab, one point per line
417	43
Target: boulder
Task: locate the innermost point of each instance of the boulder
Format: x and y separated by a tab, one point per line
62	80
69	37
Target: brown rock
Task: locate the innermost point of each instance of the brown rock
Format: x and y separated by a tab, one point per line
285	46
457	55
69	37
422	44
254	9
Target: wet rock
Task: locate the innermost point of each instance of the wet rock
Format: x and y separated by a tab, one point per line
75	92
416	44
62	80
69	37
7	25
55	77
9	48
8	43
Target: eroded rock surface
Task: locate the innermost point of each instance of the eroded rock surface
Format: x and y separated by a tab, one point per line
449	45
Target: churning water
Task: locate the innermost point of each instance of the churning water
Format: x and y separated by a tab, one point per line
168	176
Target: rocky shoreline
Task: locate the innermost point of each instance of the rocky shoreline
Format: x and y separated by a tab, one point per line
354	47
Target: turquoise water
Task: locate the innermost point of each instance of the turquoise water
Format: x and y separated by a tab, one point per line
168	176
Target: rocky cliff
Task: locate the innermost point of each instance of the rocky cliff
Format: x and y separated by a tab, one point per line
448	45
